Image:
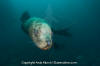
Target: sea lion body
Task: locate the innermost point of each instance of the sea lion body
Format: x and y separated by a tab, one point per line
39	31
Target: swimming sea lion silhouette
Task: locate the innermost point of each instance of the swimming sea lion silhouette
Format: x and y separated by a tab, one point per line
40	31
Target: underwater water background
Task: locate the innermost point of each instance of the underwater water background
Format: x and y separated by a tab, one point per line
81	17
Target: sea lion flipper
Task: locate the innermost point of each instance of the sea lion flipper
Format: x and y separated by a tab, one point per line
25	16
58	46
63	32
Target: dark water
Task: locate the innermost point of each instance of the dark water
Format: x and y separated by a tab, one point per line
82	17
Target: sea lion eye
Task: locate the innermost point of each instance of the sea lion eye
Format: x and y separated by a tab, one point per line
35	32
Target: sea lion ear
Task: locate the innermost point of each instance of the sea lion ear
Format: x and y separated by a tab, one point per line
25	16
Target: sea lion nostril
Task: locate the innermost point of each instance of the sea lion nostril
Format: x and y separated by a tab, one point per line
48	42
